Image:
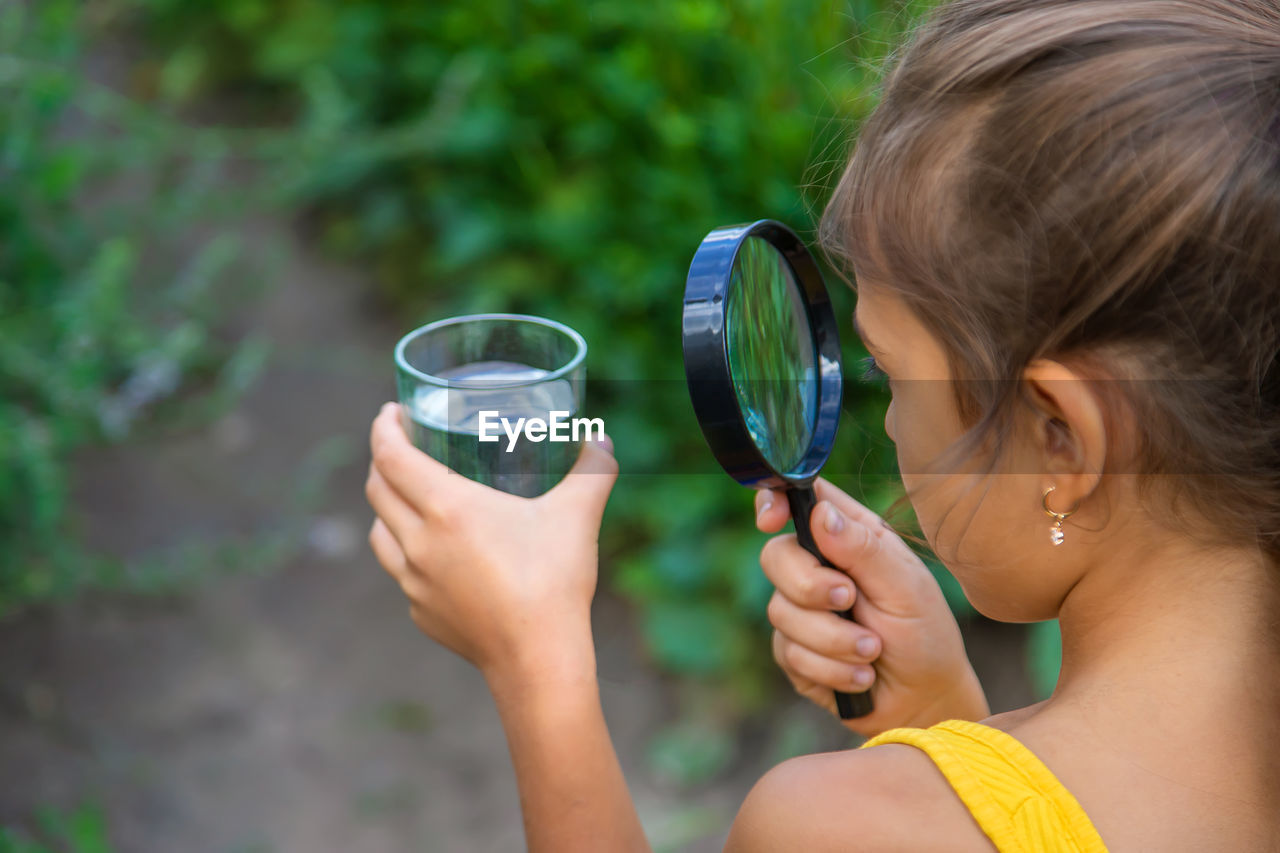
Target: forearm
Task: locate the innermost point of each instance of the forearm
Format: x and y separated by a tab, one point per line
572	792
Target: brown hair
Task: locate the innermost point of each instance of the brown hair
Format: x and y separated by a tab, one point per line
1098	182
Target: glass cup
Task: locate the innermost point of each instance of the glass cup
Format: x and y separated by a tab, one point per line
496	398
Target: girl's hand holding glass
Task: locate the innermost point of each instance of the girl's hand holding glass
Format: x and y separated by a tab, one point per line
903	642
504	581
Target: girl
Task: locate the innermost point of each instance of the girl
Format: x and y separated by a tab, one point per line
1064	223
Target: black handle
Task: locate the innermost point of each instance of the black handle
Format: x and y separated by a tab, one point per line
802	501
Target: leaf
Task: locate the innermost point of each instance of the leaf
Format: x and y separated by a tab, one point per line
87	831
81	831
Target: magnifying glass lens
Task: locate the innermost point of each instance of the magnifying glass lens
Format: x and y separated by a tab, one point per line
772	355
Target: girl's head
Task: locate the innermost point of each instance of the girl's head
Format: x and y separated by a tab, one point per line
1064	220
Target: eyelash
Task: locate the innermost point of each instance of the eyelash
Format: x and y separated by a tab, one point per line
871	371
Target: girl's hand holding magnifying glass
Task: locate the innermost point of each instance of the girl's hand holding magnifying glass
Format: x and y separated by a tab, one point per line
904	642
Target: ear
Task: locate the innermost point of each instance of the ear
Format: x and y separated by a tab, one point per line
1070	434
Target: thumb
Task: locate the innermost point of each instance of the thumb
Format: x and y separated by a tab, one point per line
586	488
883	568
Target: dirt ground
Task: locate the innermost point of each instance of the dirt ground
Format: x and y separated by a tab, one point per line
298	709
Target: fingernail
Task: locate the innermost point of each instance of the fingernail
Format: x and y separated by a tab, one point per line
835	521
840	597
605	442
866	646
862	676
764	507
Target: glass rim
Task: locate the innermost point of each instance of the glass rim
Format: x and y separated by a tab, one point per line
577	359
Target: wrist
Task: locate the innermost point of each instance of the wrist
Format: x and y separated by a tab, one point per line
545	661
963	700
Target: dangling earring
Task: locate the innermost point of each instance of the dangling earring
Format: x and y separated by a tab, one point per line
1055	532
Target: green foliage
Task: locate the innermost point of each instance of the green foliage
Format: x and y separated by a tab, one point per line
565	159
1044	655
691	752
83	830
96	328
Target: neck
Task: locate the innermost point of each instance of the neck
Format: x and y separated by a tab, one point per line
1156	612
1174	644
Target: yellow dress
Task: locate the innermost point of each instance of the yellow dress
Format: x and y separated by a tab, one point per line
1016	800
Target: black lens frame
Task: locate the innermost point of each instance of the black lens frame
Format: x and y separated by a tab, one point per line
706	355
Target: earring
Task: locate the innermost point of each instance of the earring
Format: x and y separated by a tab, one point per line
1055	531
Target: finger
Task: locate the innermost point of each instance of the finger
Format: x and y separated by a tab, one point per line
772	511
800	577
410	472
823	632
796	660
587	486
388	551
847	505
606	442
881	565
393	558
401	519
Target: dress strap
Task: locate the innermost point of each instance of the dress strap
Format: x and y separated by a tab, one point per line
1015	799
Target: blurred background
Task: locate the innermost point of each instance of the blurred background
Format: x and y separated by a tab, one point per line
216	219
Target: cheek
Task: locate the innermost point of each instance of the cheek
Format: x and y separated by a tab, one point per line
962	512
989	535
912	423
987	529
921	424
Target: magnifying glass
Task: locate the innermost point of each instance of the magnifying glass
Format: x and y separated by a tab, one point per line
762	357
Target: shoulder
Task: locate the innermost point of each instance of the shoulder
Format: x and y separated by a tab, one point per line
888	797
